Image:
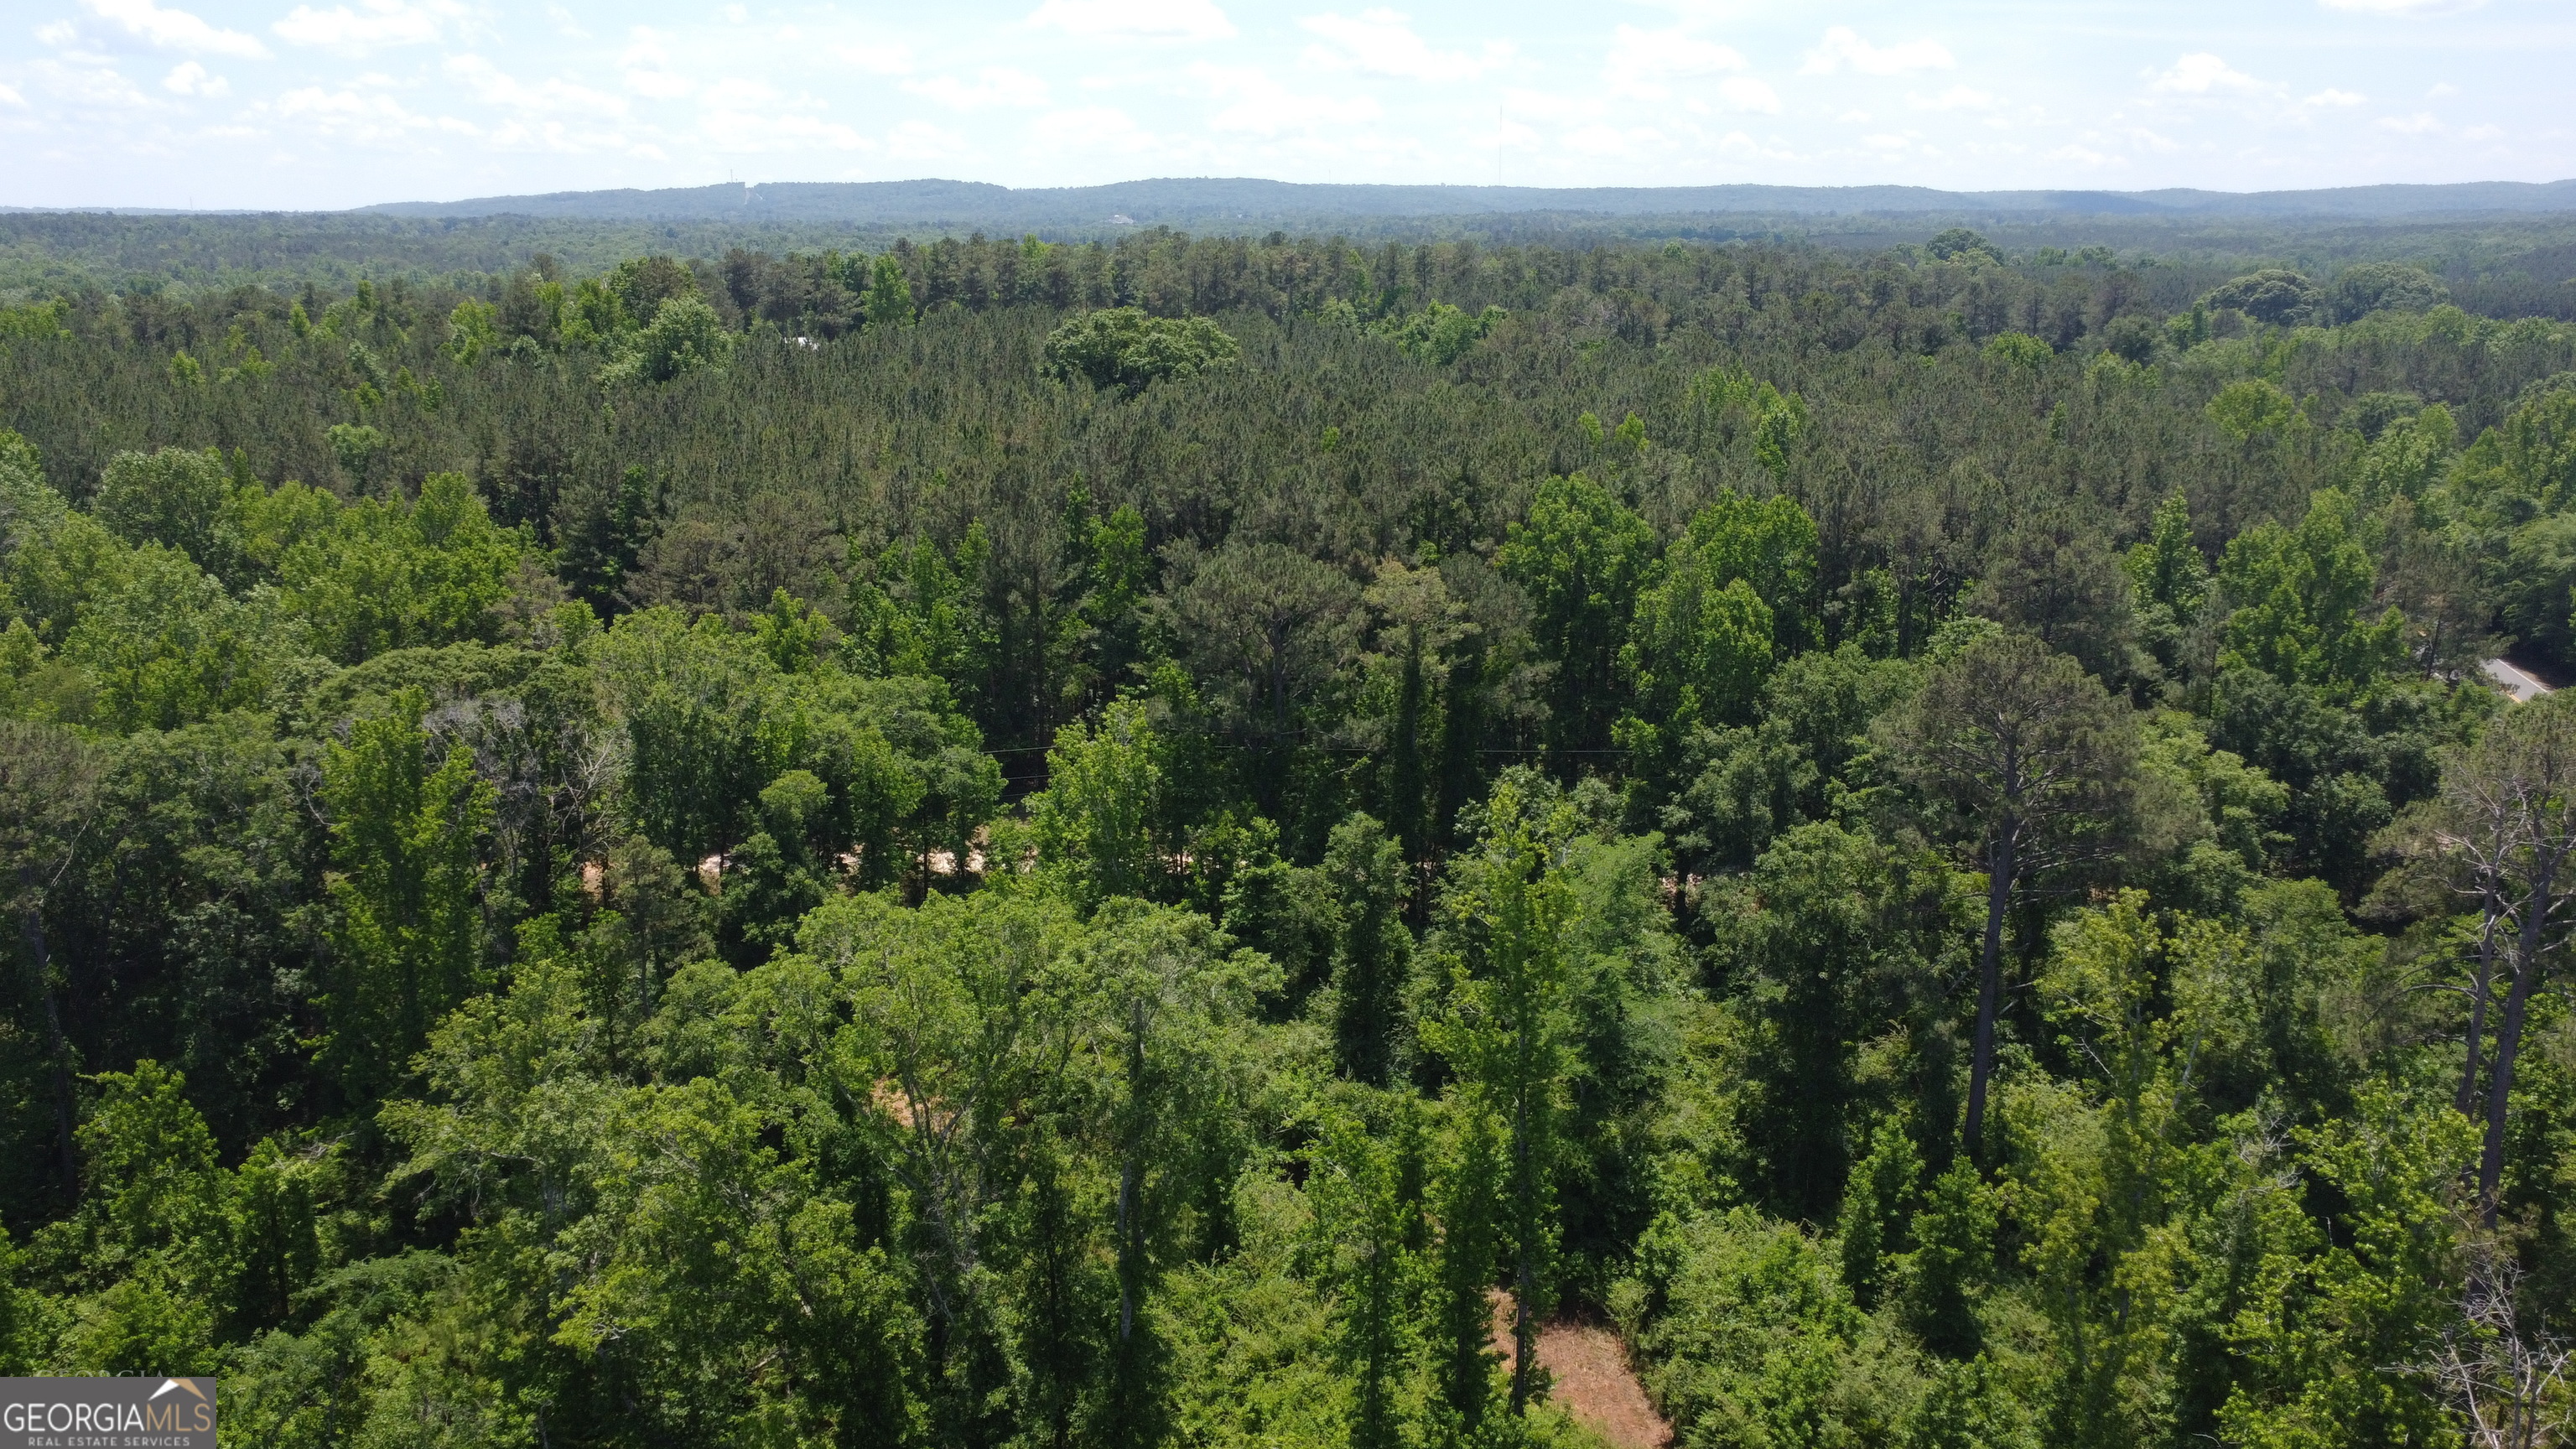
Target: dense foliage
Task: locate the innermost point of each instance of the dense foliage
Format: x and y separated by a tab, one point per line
1005	843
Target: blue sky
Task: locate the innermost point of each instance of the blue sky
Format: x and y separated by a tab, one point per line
324	103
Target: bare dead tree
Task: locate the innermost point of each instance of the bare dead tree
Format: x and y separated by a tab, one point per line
2519	786
2507	1379
2462	843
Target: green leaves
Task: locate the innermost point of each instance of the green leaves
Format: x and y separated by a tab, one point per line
1582	557
174	498
1123	348
2020	350
1440	334
1094	823
394	574
2300	600
685	335
2252	408
1742	405
2273	295
407	851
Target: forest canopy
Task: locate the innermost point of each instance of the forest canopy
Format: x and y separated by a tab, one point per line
1203	840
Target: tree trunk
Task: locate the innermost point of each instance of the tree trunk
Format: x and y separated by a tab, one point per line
1524	1276
2526	975
2468	1095
31	935
1131	1209
1981	1063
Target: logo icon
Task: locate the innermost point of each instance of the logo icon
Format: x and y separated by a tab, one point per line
165	1413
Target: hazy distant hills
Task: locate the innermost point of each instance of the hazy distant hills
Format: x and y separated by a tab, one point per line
1199	201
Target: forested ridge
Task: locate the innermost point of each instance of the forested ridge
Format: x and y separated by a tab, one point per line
1180	842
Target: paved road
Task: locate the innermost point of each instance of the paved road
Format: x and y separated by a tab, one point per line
2521	686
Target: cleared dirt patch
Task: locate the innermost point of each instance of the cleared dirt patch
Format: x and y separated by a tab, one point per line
1592	1379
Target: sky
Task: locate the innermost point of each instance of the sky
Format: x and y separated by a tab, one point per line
262	104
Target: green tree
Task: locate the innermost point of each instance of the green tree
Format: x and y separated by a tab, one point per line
783	870
684	336
49	779
169	647
1372	951
156	1231
1123	348
1265	627
2029	757
1367	1222
889	296
2298	603
1171	998
2168	578
1698	650
962	1016
393	575
1470	1194
407	932
2056	579
1506	1030
173	497
1583	558
2274	295
1094	823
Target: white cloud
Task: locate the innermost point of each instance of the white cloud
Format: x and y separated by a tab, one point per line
2402	7
922	141
1842	46
1549	106
188	78
2201	73
1262	106
648	67
58	33
2421	123
2483	133
1611	141
494	87
659	85
10	97
892	58
1092	130
1176	19
741	93
377	24
1641	61
993	86
2332	97
1383	42
1957	98
90	85
1736	143
2444	88
348	114
1745	93
732	129
2083	156
174	29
